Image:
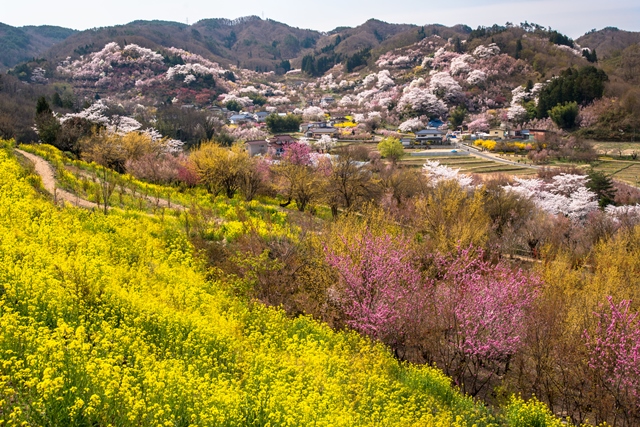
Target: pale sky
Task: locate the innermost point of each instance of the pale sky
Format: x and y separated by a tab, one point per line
571	17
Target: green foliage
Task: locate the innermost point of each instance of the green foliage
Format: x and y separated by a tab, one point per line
256	98
42	106
565	115
47	124
233	105
590	56
288	123
391	148
582	86
358	59
560	39
482	32
518	48
602	185
228	75
457	116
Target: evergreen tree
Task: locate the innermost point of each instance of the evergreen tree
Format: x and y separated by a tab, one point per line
581	86
602	185
518	48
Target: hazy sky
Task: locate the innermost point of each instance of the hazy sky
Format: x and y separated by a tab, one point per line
572	17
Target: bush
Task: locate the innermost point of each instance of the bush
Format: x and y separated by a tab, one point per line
564	116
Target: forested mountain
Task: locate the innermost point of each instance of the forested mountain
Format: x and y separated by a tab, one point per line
19	44
609	41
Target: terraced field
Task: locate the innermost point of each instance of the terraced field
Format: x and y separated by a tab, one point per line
627	171
471	164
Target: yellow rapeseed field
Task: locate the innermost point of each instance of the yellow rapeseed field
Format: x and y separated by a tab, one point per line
109	320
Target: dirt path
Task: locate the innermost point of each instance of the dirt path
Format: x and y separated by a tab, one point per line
46	173
159	202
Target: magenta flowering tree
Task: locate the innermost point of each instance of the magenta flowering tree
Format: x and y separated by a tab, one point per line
481	311
614	357
379	282
297	154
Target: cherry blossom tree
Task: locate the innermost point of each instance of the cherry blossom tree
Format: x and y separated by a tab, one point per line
482	309
445	86
476	77
313	114
483	51
411	125
566	194
614	356
481	124
437	173
417	102
378	280
325	143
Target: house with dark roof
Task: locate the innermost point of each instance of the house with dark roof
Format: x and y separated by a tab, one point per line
428	136
327	99
261	116
279	142
318	132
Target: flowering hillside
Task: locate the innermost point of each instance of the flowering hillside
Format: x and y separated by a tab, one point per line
109	320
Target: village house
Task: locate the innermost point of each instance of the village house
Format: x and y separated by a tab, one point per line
407	142
497	133
327	100
318	132
238	119
277	144
428	136
261	116
539	135
257	147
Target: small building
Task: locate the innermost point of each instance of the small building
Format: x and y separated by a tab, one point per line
538	135
338	120
435	123
318	132
278	142
428	136
257	147
261	116
407	142
238	119
497	133
327	100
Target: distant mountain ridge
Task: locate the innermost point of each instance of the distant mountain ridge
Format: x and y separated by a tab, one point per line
609	41
250	42
18	44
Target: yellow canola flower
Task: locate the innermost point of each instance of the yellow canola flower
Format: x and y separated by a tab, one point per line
110	320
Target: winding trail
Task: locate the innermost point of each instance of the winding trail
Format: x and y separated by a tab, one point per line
46	173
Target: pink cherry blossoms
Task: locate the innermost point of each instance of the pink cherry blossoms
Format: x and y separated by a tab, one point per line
378	279
614	354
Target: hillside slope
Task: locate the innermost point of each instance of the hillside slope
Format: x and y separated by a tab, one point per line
18	44
110	320
249	42
609	40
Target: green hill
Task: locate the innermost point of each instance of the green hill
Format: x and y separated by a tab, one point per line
18	44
